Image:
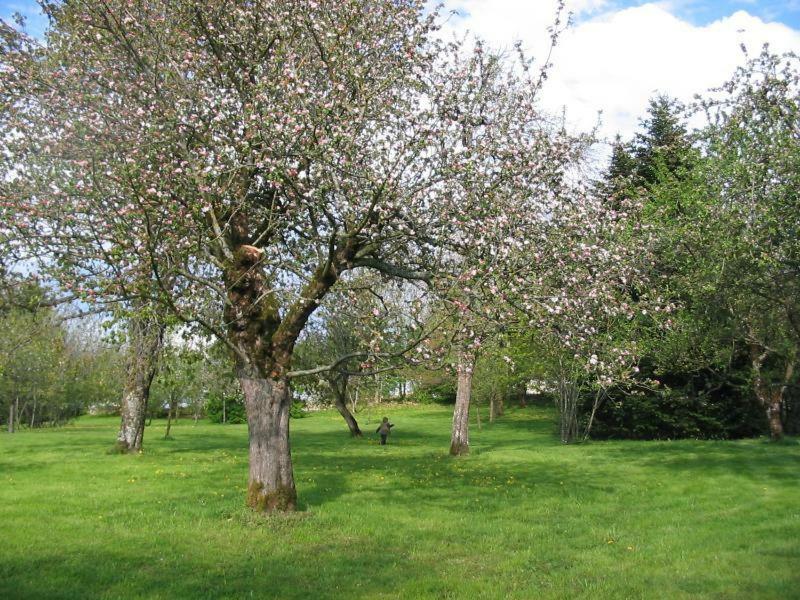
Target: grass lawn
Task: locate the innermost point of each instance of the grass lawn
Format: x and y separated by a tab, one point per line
522	517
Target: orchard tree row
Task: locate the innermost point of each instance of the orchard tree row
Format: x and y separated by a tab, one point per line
335	190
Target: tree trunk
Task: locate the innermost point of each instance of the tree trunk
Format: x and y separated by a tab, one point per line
173	406
492	407
169	422
339	388
599	396
271	482
770	396
33	413
459	439
773	405
11	417
145	337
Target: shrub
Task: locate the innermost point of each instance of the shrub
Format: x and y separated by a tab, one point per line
724	412
233	409
297	410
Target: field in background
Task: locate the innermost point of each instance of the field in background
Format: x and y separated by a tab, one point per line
522	517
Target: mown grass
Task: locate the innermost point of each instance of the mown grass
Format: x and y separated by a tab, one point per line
522	517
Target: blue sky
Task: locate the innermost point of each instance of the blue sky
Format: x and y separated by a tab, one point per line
703	12
698	12
35	21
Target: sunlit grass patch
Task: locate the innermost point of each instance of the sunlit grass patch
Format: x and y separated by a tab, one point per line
521	517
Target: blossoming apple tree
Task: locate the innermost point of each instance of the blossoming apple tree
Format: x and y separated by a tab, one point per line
230	162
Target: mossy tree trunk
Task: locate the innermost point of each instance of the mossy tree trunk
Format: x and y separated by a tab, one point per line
145	338
271	480
262	332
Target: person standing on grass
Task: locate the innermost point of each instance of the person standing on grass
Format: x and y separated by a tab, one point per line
384	429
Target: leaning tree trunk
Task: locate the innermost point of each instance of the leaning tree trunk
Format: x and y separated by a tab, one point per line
145	337
271	482
459	439
339	387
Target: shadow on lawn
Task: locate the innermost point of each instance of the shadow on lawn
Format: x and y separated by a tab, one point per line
756	459
279	572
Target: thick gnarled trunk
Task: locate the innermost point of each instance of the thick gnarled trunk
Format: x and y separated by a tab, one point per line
339	389
145	338
459	439
262	338
271	482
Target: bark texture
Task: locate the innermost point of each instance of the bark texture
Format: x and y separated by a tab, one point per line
271	482
459	439
146	336
262	335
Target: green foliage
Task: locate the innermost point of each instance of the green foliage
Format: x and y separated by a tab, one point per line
723	413
297	410
618	519
437	389
226	408
49	373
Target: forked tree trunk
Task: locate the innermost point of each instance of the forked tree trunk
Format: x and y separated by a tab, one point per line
339	388
263	338
145	337
770	396
459	439
271	482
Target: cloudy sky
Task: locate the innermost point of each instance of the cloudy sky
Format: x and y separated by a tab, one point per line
618	53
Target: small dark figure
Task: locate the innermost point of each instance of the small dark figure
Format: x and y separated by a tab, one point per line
384	429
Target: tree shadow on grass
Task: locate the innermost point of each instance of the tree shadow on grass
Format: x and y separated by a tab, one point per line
755	459
279	570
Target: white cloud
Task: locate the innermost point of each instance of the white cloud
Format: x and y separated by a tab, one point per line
615	60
